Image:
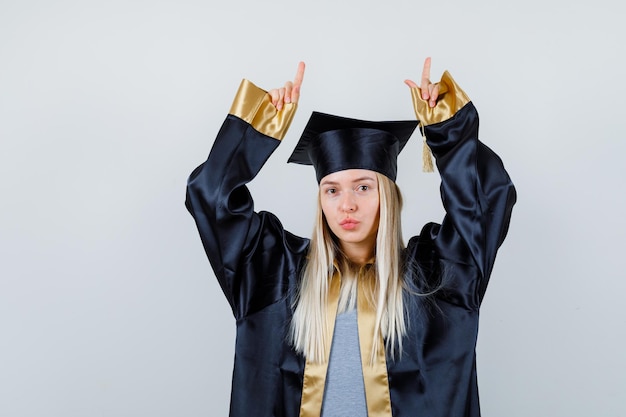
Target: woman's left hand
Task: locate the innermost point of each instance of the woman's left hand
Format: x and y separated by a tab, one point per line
429	90
290	93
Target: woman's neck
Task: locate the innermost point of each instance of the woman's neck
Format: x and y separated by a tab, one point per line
358	254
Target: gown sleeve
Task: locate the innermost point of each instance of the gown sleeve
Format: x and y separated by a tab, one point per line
477	193
250	253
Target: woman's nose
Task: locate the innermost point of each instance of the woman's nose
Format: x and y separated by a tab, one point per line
348	204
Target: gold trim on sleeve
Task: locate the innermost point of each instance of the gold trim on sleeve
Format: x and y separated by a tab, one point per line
253	105
451	99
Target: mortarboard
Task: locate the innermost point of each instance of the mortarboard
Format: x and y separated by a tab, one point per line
333	143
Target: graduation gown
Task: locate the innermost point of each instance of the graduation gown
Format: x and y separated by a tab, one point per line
258	264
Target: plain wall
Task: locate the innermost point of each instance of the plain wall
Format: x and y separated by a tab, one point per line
108	306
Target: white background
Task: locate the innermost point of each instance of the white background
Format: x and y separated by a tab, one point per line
108	306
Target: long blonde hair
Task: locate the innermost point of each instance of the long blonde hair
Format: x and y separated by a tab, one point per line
309	322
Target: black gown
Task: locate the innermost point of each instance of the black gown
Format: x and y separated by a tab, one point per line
258	263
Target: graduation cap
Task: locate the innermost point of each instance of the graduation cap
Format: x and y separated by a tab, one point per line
333	143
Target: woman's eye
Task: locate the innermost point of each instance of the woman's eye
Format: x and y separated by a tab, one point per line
363	187
331	191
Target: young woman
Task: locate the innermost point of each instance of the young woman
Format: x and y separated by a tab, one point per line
351	322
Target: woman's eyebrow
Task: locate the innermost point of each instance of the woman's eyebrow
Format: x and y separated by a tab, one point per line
364	179
360	179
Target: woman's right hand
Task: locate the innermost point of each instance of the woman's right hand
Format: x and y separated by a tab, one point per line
290	93
429	90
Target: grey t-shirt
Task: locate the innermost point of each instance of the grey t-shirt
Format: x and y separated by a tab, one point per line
344	393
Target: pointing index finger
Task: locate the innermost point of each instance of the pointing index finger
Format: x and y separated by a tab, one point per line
425	82
297	82
426	71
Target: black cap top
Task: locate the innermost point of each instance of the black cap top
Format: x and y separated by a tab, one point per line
333	143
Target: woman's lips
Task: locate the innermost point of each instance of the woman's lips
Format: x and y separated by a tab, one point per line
348	224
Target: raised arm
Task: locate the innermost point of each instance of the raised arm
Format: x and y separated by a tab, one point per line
476	191
246	249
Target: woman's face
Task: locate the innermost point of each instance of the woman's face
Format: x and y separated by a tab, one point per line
351	206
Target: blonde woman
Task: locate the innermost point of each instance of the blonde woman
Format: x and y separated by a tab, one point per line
352	322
